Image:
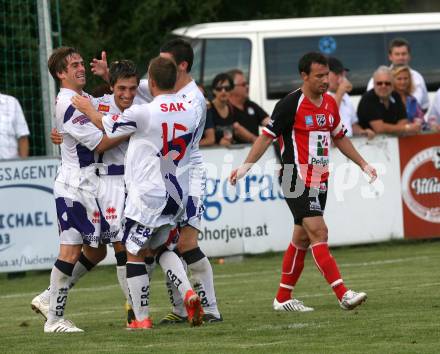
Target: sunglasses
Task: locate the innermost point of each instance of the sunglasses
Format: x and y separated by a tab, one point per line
223	88
383	83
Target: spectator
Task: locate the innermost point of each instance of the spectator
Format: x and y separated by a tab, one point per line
404	86
399	53
339	87
434	113
249	115
14	131
221	110
208	138
382	110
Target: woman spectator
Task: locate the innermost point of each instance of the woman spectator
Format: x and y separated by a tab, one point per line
404	86
221	111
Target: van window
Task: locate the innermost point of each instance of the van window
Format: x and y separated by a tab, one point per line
361	53
220	55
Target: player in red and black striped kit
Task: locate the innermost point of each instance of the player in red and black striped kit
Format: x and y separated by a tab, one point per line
304	122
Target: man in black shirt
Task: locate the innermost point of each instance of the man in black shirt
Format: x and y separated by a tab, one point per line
382	110
248	114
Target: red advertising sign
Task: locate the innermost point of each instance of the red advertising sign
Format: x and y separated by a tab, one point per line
420	171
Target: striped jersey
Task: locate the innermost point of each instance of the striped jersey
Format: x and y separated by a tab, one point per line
303	131
158	155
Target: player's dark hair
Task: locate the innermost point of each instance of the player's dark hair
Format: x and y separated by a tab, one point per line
57	62
398	42
122	69
163	72
220	78
306	61
181	51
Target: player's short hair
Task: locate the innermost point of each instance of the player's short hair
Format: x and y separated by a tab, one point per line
181	51
234	72
306	61
57	62
122	69
398	42
164	72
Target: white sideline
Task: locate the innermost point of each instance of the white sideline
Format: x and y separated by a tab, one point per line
235	275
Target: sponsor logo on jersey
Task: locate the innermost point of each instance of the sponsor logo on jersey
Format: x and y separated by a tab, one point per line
96	219
320	119
315	205
110	213
421	184
332	120
103	108
308	120
322	145
82	119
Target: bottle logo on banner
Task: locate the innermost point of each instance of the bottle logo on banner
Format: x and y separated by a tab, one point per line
421	184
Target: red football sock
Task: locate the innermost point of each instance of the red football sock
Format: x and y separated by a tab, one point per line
328	267
293	264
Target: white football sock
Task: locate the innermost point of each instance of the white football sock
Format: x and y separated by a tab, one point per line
139	289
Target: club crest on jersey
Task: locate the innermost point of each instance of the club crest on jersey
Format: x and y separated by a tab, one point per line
115	117
103	108
251	111
308	120
320	119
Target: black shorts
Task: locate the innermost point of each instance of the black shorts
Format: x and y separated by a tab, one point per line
304	201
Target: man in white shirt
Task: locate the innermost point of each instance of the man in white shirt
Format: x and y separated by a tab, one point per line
198	264
14	131
158	183
339	87
76	186
399	53
124	81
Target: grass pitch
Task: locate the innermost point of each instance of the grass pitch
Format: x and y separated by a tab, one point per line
401	314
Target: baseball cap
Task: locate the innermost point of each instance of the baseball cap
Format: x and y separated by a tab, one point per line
336	66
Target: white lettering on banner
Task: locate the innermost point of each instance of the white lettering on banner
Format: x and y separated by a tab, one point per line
426	185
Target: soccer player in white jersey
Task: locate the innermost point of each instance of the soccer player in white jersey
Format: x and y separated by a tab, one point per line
76	185
124	81
198	264
157	178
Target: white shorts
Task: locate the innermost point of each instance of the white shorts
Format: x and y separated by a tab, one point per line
78	215
111	200
137	237
193	213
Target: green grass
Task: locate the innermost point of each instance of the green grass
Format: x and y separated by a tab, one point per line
401	314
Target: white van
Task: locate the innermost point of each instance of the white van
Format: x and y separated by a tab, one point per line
268	50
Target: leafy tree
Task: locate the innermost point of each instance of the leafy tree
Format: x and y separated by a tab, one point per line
135	29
